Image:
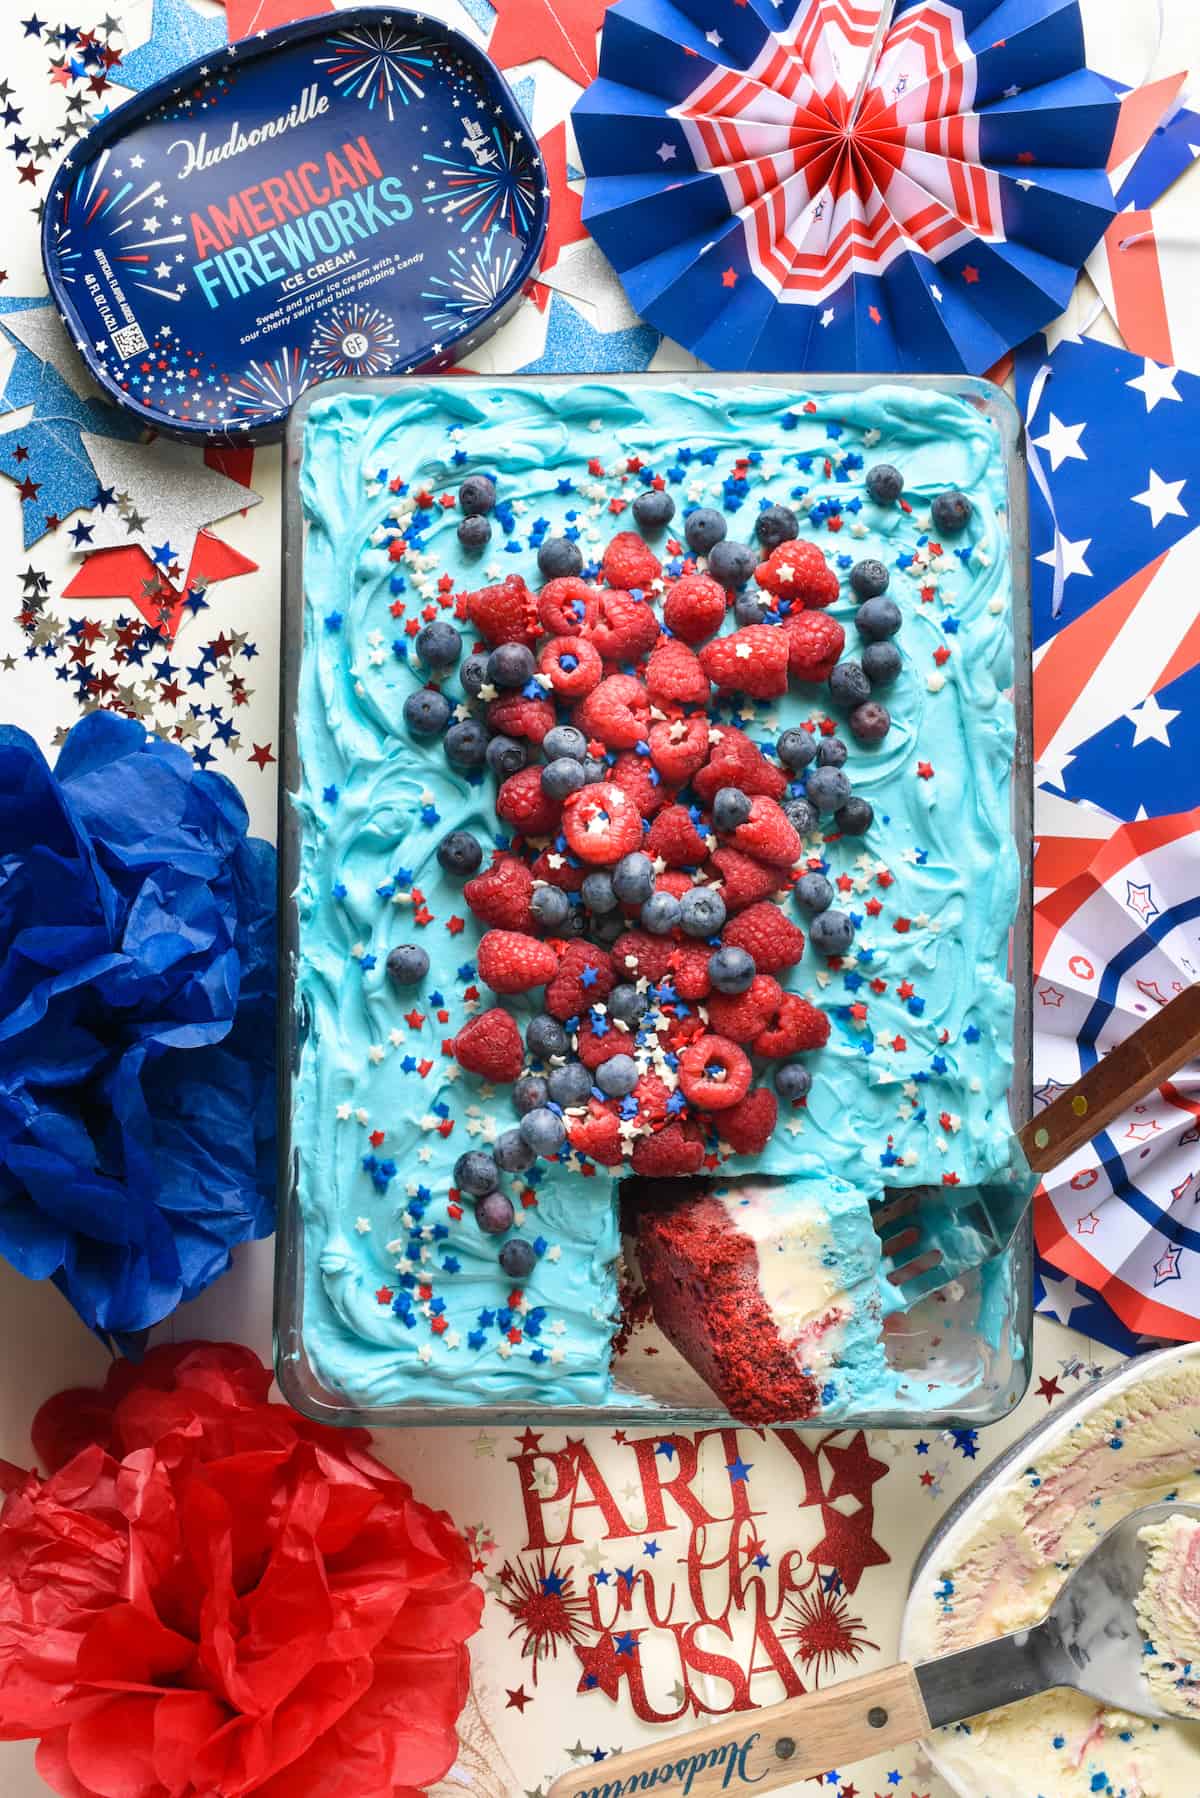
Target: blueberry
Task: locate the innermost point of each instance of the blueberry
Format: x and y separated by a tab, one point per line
474	532
792	1080
494	1213
831	753
796	748
732	564
633	878
512	1153
831	932
617	1076
562	776
512	666
877	619
731	807
801	816
731	970
814	892
564	740
545	1036
626	1005
951	512
703	528
518	1259
607	929
477	494
884	484
653	510
775	525
598	894
407	964
869	579
881	662
529	1092
438	645
748	609
466	744
827	789
570	1084
473	674
475	1173
871	722
550	907
660	913
460	854
559	556
426	712
543	1131
848	684
702	912
505	756
855	818
593	769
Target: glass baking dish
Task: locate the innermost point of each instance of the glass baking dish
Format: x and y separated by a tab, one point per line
964	1351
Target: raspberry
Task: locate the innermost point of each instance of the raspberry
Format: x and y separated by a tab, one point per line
593	1049
793	1027
689	971
638	955
747	1126
516	716
694	608
628	562
505	613
750	770
674	675
585	978
815	644
510	962
637	776
617	712
652	1095
763	931
753	660
798	571
743	880
501	894
740	1016
625	627
491	1045
713	1073
675	840
601	823
553	867
567	606
598	1135
675	1151
678	747
767	835
522	803
572	665
675	882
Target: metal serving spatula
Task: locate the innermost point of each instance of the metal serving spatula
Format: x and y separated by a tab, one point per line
931	1235
1090	1640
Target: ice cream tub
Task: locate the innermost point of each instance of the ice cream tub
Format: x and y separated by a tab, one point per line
351	195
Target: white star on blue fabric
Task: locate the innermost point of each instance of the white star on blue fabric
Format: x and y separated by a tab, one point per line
1151	722
1161	499
1061	443
1062	1297
1156	382
177	35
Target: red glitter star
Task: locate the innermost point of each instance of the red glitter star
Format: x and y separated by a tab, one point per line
849	1545
517	1700
262	755
1049	1390
855	1470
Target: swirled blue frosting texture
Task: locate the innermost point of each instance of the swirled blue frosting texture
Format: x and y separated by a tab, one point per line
405	1301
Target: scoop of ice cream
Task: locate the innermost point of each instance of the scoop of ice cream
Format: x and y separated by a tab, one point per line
1168	1609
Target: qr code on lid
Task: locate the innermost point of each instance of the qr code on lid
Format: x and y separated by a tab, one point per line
130	341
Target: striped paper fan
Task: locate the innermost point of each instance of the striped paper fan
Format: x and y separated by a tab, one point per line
837	184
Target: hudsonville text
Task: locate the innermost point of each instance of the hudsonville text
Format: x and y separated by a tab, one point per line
275	230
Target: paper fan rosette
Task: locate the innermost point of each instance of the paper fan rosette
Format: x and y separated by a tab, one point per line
1115	943
846	184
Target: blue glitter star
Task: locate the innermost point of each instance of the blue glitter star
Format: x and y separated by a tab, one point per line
177	34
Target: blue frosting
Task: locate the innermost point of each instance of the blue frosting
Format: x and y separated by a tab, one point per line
405	1301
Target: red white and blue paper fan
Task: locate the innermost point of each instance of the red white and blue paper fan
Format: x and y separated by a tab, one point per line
841	184
1114	944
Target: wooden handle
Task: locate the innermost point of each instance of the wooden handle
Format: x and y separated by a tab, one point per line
768	1748
1127	1073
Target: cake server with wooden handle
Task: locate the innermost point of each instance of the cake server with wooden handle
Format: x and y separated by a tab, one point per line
1091	1641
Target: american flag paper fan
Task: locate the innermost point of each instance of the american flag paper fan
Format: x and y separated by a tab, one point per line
1115	943
842	184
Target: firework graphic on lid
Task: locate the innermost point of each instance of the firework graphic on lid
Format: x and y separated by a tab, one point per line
266	388
381	65
128	210
472	285
494	182
354	340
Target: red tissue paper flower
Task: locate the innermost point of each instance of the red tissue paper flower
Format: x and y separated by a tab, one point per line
210	1596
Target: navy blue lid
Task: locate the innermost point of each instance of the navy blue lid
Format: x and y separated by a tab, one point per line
350	195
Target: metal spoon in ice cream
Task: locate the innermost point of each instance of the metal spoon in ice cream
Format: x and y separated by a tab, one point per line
1091	1640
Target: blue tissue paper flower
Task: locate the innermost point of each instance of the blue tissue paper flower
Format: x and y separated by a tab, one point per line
137	1001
